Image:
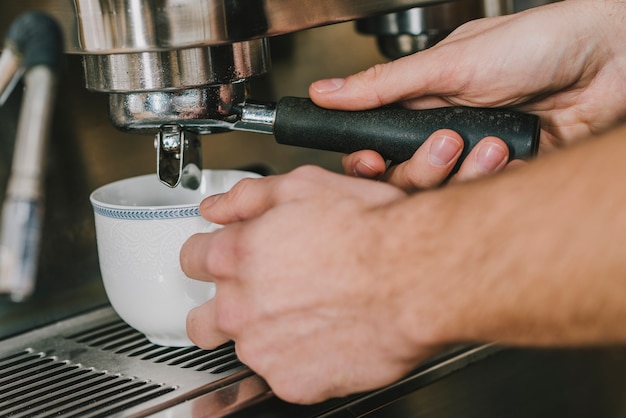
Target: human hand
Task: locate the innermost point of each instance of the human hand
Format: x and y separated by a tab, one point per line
298	305
433	162
563	62
331	285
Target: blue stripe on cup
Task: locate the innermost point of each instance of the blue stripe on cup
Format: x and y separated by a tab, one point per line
147	214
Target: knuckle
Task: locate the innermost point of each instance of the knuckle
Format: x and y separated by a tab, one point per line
289	392
371	78
184	256
225	320
192	257
200	335
214	261
414	177
408	179
307	171
298	181
239	190
373	73
286	390
222	258
243	354
279	376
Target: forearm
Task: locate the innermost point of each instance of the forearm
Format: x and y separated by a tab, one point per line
545	264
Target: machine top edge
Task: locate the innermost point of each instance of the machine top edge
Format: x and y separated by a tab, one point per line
129	26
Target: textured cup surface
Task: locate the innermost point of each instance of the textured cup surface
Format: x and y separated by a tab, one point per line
141	226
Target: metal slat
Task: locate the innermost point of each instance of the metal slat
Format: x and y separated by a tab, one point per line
20	370
30	394
55	398
96	365
134	344
108	398
40	381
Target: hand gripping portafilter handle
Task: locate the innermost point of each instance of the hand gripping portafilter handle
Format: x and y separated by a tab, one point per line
396	133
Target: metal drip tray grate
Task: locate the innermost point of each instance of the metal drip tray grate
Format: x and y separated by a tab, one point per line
43	386
95	365
119	338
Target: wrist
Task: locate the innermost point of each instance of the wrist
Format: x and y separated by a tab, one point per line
412	241
529	256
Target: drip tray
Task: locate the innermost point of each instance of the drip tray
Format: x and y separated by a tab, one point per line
95	365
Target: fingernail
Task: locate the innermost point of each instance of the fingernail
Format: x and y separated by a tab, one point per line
443	150
209	201
328	85
491	157
363	169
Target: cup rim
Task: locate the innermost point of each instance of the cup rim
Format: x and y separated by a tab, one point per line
147	212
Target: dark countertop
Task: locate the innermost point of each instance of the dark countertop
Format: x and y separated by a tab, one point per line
508	383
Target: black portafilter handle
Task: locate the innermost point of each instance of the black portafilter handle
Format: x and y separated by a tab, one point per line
396	133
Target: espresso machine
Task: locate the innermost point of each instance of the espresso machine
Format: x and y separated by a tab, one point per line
179	70
170	86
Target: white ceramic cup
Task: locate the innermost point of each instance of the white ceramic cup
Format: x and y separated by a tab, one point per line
141	226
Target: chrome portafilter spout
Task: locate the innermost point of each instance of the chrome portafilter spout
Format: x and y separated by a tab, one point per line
33	48
179	156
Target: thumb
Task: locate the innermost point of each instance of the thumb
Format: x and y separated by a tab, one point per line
380	85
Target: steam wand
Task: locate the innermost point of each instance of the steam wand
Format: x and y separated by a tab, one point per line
33	48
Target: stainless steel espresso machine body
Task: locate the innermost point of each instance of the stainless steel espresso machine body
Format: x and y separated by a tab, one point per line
182	68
